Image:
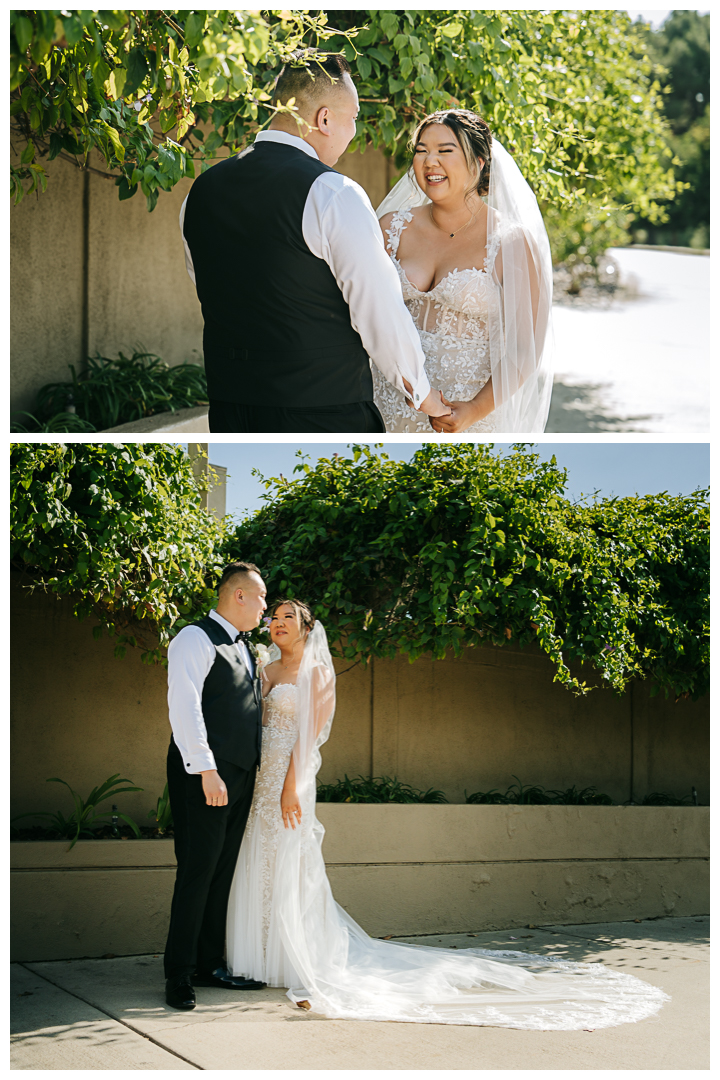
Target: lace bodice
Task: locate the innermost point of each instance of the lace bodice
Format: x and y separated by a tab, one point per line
279	708
280	731
452	321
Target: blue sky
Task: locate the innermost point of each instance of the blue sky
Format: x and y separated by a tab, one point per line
612	468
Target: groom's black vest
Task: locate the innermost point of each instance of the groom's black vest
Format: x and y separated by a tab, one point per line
277	328
231	702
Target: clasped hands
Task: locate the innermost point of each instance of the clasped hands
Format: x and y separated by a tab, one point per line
446	417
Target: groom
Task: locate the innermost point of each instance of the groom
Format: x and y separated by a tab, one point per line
215	713
296	289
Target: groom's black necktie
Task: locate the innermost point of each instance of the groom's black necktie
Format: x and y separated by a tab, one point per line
244	635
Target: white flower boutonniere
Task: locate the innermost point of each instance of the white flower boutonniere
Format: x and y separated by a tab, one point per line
261	655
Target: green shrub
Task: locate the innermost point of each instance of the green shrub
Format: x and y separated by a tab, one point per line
459	547
539	796
464	547
28	423
119	529
118	391
377	789
158	95
661	798
84	817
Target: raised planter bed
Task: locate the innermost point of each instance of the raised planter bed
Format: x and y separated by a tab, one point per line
397	869
180	422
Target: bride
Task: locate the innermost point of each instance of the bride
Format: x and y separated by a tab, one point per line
465	234
285	929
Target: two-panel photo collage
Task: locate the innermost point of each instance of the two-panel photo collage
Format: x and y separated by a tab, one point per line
359	586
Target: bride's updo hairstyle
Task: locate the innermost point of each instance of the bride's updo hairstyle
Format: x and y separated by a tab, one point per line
303	614
474	137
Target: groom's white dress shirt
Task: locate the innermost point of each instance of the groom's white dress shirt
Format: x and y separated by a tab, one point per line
190	656
339	226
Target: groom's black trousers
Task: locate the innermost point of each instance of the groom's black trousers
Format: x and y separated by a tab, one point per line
207	842
229	417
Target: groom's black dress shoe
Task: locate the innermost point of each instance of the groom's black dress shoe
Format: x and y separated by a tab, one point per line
179	992
221	977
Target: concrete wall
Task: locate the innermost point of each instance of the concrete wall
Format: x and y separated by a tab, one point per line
89	272
397	870
468	724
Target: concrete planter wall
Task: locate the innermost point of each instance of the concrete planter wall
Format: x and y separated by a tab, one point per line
396	869
183	421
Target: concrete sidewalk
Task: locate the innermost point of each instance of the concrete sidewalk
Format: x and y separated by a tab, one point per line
110	1014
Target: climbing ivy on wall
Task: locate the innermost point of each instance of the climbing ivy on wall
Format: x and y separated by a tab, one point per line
119	530
159	94
461	546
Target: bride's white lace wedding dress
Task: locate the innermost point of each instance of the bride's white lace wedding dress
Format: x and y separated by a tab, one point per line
452	322
285	928
490	320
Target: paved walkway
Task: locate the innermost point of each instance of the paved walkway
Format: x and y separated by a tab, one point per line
642	363
110	1014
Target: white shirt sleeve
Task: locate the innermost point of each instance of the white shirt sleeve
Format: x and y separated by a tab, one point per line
188	257
339	225
190	656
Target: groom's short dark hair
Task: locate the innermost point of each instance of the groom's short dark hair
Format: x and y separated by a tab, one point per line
234	568
306	78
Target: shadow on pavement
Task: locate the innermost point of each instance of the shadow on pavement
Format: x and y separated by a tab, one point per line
581	408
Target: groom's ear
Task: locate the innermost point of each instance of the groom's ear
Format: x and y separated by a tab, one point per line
322	118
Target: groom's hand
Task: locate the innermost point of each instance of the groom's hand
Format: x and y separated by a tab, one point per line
433	405
214	788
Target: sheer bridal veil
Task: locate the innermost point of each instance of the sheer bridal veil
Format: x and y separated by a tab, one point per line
317	949
519	261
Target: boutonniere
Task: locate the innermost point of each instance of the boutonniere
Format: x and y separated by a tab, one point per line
261	655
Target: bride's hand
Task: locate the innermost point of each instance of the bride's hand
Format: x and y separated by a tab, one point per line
290	806
461	416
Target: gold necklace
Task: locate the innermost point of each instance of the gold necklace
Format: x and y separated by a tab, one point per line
457	230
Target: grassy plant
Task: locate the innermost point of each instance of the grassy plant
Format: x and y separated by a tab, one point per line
661	798
116	391
377	789
84	818
27	423
163	812
516	794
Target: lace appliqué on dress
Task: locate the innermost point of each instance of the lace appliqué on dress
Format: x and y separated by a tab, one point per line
452	322
280	730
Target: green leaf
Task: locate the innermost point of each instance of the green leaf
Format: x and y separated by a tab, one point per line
213	141
116	83
126	191
138	69
194	27
116	142
23	32
364	67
